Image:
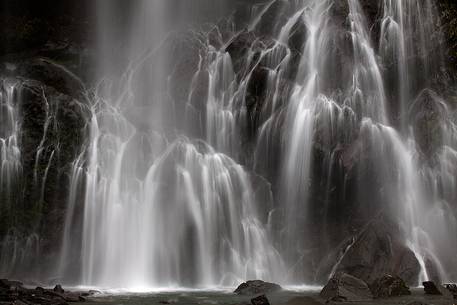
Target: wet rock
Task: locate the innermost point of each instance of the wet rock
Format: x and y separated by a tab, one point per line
257	287
428	113
59	289
274	15
452	288
296	41
389	286
431	288
298	36
255	96
346	288
260	300
238	48
6	284
377	250
53	75
14	293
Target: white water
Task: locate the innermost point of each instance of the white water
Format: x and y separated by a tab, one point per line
10	153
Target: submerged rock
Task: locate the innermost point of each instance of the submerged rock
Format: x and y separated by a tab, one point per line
257	287
303	301
260	300
389	286
346	288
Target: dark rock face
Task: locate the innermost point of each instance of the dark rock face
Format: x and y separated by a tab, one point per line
54	75
389	286
260	300
346	288
53	111
377	251
257	287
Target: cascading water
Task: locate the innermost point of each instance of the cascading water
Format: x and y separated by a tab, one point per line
171	211
10	166
167	210
10	153
225	153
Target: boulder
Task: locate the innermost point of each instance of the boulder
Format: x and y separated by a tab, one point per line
257	287
260	300
431	288
346	288
378	250
59	289
389	286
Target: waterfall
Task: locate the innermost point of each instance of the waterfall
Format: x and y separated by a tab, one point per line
167	210
169	196
222	146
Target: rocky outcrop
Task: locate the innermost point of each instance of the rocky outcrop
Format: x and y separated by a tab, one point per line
346	288
15	293
53	111
257	287
389	286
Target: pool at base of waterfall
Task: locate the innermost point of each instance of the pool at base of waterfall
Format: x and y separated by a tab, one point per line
226	297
